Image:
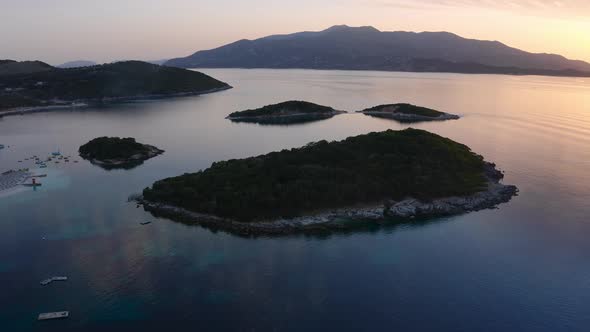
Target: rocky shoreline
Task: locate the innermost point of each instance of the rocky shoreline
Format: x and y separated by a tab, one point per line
404	112
404	117
151	151
405	210
285	118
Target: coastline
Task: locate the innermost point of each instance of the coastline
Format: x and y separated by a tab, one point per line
574	75
403	117
288	118
405	210
98	101
134	160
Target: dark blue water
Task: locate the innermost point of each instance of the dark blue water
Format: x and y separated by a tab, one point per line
522	267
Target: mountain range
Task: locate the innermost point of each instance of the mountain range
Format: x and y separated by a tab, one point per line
366	48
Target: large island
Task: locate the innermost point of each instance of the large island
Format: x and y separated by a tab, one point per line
289	112
115	152
34	86
408	113
378	176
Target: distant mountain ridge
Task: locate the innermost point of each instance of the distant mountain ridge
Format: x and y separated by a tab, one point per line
366	48
78	64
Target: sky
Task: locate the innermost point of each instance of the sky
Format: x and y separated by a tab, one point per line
56	31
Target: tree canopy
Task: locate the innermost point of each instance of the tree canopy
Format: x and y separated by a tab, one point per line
322	175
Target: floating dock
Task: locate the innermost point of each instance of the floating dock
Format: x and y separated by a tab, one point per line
52	279
54	315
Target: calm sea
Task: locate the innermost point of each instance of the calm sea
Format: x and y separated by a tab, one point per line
522	267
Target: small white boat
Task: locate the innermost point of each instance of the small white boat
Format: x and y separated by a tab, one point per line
52	279
54	315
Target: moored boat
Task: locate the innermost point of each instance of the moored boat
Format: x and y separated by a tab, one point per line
54	315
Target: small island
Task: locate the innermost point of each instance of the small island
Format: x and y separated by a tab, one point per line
35	86
115	152
408	113
290	112
379	176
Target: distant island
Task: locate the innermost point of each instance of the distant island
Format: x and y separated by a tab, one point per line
78	64
36	87
289	112
408	113
115	152
366	48
386	175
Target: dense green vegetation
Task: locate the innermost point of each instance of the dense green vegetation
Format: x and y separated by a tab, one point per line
117	80
104	148
290	112
285	108
405	109
361	169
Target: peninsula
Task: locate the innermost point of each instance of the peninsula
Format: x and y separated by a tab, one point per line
289	112
115	152
378	176
408	113
26	87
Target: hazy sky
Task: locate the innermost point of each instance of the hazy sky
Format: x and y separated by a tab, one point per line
60	30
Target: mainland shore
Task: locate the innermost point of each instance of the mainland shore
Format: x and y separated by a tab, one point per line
85	103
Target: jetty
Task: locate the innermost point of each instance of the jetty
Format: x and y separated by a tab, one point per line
52	279
54	315
34	183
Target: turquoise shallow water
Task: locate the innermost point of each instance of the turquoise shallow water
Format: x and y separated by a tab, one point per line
524	266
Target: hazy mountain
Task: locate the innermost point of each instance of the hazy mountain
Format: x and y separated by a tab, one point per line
366	48
78	64
11	67
157	62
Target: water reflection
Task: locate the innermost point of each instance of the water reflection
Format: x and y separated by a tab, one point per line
320	231
525	264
